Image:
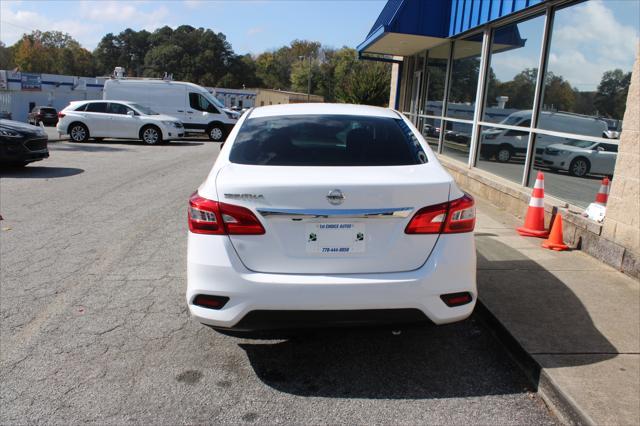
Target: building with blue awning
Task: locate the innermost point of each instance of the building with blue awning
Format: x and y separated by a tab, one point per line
505	88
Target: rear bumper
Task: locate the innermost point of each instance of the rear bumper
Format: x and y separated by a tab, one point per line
213	268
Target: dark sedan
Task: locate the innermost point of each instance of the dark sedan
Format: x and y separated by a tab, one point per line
43	114
21	144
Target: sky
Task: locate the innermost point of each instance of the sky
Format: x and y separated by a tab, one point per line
251	26
588	39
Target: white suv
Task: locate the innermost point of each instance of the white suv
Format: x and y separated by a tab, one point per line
337	214
117	119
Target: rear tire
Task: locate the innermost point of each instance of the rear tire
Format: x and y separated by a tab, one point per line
78	132
151	135
504	154
579	167
216	133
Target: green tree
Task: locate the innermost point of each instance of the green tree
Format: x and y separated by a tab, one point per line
300	75
558	93
611	97
359	81
6	57
52	52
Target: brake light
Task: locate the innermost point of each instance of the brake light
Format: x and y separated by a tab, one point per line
214	218
453	217
60	115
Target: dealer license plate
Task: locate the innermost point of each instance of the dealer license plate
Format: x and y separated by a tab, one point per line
335	238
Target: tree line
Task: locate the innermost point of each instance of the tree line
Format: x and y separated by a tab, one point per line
205	57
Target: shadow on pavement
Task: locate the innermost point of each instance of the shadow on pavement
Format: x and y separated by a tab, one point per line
39	172
455	360
108	142
535	309
85	147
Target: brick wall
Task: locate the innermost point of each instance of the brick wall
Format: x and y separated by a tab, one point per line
622	222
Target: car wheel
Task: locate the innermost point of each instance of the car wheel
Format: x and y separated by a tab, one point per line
579	167
504	154
151	135
78	132
216	133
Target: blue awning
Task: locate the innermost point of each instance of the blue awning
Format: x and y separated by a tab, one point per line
406	27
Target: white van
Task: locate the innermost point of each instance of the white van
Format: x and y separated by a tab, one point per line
504	144
197	109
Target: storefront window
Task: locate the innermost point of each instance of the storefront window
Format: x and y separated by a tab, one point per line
593	46
464	77
513	72
408	80
457	140
591	56
502	152
435	78
573	168
431	131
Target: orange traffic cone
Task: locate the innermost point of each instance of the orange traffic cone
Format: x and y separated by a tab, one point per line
534	220
556	240
603	193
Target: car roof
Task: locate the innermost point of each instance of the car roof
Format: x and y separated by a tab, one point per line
93	101
321	109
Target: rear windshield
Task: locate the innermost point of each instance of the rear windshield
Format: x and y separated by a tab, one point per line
326	140
48	110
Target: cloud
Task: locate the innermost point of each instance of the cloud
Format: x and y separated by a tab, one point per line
255	30
193	4
15	23
121	12
587	41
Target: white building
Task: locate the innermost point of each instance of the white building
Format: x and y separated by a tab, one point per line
20	91
239	98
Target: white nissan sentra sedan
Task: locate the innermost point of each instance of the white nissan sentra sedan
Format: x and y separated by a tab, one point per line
329	214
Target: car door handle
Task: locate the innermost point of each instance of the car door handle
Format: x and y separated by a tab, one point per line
180	110
189	112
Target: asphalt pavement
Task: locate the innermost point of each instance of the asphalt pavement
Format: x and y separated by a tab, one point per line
94	325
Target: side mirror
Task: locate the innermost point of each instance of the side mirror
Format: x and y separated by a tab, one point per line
131	113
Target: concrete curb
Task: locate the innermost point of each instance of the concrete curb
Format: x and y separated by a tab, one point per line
558	401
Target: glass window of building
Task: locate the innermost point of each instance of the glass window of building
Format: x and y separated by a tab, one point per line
502	151
591	55
457	140
511	81
464	77
434	82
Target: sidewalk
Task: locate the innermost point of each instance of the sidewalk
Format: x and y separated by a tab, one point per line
574	320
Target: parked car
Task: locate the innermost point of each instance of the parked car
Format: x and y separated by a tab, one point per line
21	144
580	158
198	109
5	115
43	114
504	144
82	120
328	214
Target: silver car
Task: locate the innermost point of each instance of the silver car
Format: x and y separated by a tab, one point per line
580	158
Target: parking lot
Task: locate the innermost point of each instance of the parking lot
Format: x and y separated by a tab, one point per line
95	326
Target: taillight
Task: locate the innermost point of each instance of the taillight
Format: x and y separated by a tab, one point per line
211	217
446	218
60	115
